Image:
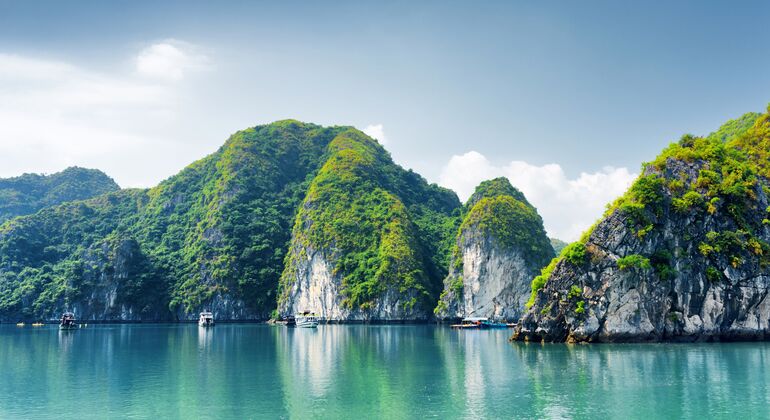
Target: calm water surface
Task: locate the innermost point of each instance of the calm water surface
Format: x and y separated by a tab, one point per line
259	371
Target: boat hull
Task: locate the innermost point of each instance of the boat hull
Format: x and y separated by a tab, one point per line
306	324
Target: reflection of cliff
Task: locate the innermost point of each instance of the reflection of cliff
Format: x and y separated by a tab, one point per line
478	370
371	369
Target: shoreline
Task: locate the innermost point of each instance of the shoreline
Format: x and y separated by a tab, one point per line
232	321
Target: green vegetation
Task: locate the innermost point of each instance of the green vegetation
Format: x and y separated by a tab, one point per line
634	261
735	128
558	245
574	291
219	227
580	307
714	275
539	281
574	253
496	187
513	224
732	167
499	212
29	193
382	226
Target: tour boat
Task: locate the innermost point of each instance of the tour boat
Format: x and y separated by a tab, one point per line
206	319
479	323
68	321
306	319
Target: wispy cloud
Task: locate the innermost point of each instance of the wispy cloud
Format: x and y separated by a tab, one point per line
170	60
376	131
568	206
56	113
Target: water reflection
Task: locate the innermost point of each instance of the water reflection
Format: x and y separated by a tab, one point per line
257	371
205	335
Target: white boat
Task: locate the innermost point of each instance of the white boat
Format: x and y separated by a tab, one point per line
306	320
206	319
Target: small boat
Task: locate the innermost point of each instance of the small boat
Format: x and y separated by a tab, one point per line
480	323
37	324
67	321
286	322
19	324
306	319
206	319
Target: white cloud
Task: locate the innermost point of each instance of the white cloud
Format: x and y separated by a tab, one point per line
169	60
568	206
376	131
56	113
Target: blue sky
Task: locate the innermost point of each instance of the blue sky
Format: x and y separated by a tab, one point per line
565	98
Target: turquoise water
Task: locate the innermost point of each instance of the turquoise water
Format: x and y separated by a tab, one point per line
346	371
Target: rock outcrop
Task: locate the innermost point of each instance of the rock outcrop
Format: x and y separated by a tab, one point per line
369	240
500	247
684	255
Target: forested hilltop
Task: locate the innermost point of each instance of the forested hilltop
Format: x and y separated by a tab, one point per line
499	248
29	193
683	255
216	235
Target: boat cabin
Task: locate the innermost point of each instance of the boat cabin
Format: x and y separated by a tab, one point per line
475	321
306	319
206	319
67	321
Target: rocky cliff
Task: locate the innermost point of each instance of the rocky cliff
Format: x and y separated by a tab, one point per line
683	255
219	234
499	248
370	241
214	236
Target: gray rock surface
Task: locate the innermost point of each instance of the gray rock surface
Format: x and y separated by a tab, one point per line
316	288
685	296
496	281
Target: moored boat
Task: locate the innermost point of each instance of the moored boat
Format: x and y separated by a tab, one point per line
479	323
306	319
206	319
67	321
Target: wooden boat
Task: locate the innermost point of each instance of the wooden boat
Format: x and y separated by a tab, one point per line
306	319
206	319
67	321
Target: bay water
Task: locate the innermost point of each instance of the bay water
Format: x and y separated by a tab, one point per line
241	371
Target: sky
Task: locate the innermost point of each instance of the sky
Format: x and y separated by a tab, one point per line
566	99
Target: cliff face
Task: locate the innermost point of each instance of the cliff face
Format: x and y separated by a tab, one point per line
500	246
370	240
684	255
214	236
315	287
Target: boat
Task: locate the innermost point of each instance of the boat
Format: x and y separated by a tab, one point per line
20	324
306	319
480	323
286	322
206	319
67	321
37	324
